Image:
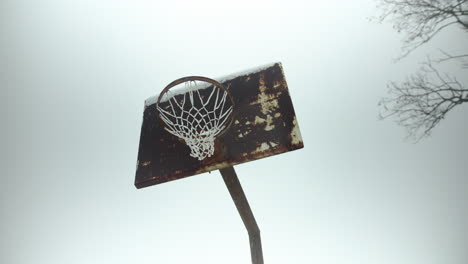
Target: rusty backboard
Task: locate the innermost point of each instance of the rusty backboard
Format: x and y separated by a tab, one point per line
264	124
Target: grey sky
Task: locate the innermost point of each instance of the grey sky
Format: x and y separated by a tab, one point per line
74	76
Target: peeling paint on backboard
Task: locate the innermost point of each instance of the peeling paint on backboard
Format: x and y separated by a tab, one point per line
264	125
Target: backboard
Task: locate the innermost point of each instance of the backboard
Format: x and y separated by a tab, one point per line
262	123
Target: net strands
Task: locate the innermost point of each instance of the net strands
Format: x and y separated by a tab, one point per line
197	119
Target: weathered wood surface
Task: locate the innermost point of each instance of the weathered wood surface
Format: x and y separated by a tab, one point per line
264	124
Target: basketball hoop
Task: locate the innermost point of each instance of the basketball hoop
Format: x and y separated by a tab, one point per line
198	114
259	123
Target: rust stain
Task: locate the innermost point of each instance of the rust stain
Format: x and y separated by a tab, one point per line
214	167
264	125
296	137
263	147
268	122
277	84
258	120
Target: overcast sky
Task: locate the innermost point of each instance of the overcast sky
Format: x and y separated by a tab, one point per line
74	76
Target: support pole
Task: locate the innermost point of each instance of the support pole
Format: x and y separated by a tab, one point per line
238	196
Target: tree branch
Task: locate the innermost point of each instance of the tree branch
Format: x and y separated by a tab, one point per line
422	20
423	100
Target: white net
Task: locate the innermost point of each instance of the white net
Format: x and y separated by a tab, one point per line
197	118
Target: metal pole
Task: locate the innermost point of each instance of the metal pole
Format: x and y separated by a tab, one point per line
238	196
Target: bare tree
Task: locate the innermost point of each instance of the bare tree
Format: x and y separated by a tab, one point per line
421	20
423	99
